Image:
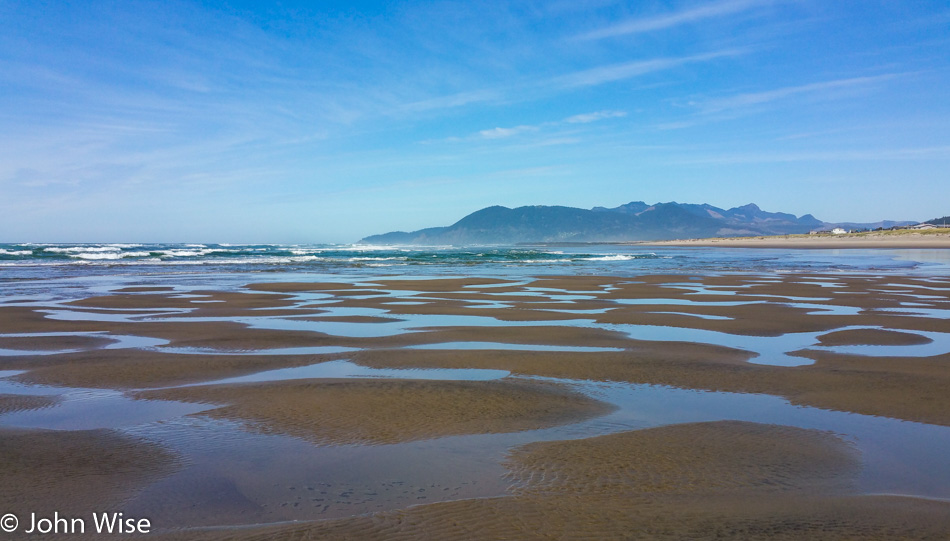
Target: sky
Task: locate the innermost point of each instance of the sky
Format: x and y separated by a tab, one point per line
202	121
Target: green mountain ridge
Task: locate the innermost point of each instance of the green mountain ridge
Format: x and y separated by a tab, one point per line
634	221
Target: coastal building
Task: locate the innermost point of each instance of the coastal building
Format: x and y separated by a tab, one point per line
838	231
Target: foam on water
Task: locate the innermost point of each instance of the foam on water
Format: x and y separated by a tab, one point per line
41	261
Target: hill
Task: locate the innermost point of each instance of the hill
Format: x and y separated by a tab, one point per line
630	222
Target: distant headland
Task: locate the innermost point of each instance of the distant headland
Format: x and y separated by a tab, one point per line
635	221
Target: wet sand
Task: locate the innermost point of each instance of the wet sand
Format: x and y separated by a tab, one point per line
10	403
697	481
53	343
75	472
136	369
701	480
379	412
872	337
911	388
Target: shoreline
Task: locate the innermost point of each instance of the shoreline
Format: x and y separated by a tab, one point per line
848	241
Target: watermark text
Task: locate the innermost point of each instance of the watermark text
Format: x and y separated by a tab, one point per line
104	523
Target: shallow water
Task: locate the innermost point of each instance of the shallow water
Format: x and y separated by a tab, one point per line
86	409
346	369
302	350
511	347
301	481
700	316
774	350
115	341
771	350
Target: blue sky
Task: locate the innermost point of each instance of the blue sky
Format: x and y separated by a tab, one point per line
329	121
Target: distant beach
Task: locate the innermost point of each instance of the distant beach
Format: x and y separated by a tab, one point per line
873	239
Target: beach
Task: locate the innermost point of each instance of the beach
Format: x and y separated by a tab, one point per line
906	239
513	402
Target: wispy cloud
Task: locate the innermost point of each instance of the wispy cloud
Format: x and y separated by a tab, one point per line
594	117
678	125
566	82
453	100
501	133
669	20
758	98
918	153
730	107
585	118
627	70
821	133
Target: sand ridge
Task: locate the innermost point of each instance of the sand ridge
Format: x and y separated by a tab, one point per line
696	458
380	411
26	344
872	337
10	403
137	369
76	472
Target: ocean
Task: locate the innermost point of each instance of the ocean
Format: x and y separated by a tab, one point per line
32	261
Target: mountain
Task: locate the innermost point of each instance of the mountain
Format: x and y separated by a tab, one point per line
883	224
634	221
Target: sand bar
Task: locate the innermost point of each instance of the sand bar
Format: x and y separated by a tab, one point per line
380	411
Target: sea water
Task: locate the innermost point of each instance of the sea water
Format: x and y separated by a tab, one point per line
30	260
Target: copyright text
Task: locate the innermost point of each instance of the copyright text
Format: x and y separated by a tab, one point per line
106	523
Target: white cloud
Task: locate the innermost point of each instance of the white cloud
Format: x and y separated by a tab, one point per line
594	117
454	100
919	153
501	133
757	98
627	70
586	118
669	20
